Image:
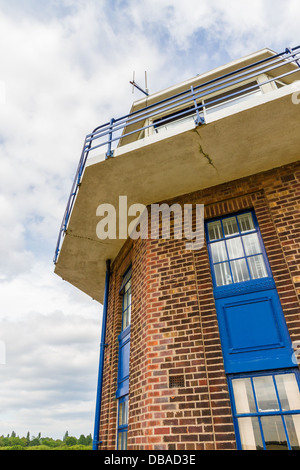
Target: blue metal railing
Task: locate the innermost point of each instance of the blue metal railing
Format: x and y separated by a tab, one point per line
196	100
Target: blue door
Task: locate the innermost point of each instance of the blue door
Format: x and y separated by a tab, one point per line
253	331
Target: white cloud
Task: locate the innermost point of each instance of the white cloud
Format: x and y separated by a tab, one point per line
51	335
51	366
65	68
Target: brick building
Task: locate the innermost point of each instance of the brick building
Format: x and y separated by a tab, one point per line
199	346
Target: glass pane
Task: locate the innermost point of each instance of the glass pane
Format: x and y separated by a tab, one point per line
239	270
250	434
246	222
230	227
127	285
122	440
129	297
252	244
222	274
121	412
126	314
288	391
265	394
257	267
215	230
126	317
292	423
218	252
274	434
235	248
125	414
129	315
243	396
125	301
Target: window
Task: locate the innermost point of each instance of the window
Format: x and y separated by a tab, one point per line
232	97
122	392
266	409
253	331
122	423
236	250
124	337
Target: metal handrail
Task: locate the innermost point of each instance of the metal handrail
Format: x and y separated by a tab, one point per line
177	105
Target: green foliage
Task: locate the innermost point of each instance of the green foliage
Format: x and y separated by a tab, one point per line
16	447
34	442
14	442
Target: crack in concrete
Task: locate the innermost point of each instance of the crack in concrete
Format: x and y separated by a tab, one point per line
205	155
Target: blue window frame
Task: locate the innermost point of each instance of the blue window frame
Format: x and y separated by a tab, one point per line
266	410
124	336
253	331
236	250
123	363
122	423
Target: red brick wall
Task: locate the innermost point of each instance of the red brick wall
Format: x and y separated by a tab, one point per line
174	329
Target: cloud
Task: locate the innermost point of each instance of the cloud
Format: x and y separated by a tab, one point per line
49	374
51	335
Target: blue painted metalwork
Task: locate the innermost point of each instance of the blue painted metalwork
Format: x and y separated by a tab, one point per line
258	414
109	152
178	105
199	119
103	345
124	338
123	364
122	428
239	236
253	332
290	51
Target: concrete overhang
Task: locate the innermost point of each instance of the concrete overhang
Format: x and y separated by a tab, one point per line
254	136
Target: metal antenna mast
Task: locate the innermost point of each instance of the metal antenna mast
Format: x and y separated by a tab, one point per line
134	84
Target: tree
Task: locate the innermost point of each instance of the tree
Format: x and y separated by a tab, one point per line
71	441
49	442
35	442
82	440
14	442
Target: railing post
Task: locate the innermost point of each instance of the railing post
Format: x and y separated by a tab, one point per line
289	51
199	120
110	152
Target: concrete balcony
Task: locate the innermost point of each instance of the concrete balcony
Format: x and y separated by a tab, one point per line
237	135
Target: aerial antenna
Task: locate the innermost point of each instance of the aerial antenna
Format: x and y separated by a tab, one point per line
135	85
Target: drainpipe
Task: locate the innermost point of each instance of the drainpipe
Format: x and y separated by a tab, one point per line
101	360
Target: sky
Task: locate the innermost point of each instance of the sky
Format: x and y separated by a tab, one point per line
65	68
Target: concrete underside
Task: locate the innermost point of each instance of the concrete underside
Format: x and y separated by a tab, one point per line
228	147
